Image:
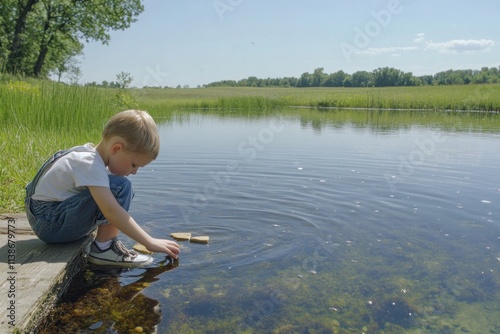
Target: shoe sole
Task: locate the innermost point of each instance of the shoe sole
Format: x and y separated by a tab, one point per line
103	262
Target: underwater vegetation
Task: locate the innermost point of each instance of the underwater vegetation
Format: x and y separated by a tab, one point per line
389	291
98	303
390	286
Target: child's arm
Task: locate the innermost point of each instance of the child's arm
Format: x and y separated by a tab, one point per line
119	217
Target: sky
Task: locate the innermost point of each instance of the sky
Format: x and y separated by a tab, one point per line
196	42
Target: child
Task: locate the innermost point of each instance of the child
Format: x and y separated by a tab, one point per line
86	187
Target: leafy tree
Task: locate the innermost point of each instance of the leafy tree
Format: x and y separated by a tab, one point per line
5	30
337	79
406	79
74	75
318	77
387	76
426	79
38	35
252	81
305	80
123	80
347	81
68	65
362	79
15	20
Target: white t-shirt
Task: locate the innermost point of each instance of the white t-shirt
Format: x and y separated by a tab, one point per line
70	174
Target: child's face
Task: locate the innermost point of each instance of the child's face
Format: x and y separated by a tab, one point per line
124	163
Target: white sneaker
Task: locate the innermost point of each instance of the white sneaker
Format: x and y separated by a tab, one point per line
117	255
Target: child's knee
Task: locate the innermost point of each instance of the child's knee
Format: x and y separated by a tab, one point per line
122	189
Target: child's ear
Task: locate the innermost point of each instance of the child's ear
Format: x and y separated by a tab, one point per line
116	147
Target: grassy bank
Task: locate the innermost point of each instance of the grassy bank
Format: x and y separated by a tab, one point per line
39	118
466	97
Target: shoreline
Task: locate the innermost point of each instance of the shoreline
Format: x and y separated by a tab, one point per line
36	274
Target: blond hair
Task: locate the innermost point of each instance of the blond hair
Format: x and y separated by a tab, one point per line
137	128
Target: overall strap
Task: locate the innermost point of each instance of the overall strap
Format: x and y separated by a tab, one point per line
30	188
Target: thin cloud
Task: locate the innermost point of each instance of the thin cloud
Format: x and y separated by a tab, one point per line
420	38
451	47
390	50
461	45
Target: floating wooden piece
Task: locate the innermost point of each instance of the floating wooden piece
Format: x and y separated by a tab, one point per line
181	236
201	239
142	249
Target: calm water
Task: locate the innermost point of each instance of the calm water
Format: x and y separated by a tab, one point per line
320	223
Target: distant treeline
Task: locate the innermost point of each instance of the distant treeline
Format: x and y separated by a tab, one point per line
381	77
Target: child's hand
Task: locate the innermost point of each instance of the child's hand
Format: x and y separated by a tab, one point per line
164	246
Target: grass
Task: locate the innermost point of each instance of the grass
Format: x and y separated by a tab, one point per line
466	97
38	118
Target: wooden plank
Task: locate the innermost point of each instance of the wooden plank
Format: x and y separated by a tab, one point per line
22	225
30	285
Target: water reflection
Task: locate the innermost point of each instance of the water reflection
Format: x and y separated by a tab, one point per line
109	300
381	121
390	121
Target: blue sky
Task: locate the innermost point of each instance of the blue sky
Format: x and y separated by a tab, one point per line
200	41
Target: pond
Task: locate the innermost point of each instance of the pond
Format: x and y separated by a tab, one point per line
337	221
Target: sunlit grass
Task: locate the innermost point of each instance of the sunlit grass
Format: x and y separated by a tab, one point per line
38	119
466	97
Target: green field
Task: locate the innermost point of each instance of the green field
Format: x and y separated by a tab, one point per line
39	118
465	97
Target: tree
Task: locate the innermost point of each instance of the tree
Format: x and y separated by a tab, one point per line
56	41
305	80
6	27
336	79
426	79
383	77
15	53
74	75
123	80
362	79
37	35
68	66
318	77
406	79
347	81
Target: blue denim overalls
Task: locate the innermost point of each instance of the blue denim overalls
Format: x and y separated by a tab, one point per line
75	217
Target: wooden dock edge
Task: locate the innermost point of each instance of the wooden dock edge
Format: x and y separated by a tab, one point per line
55	266
40	311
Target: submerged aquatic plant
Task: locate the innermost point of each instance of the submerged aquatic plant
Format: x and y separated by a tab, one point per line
96	302
394	311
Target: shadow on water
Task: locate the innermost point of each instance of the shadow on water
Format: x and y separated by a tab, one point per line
100	300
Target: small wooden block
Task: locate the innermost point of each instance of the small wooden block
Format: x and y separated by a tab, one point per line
181	236
201	239
142	249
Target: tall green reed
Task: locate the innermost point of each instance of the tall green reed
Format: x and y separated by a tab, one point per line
39	119
54	107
